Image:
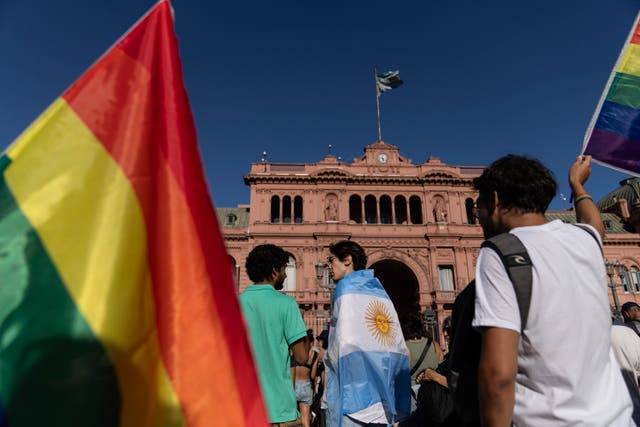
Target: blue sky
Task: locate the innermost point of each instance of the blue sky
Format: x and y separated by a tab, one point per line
482	79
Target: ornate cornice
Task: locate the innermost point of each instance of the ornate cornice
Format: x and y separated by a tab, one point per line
340	177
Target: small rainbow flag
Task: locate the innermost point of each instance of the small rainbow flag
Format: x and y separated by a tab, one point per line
613	137
117	298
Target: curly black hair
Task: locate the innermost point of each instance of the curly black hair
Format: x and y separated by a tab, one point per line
347	247
263	260
522	183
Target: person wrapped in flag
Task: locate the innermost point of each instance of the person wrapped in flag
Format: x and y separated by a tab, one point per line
368	379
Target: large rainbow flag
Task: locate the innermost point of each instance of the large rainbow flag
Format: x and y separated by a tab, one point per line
613	137
117	305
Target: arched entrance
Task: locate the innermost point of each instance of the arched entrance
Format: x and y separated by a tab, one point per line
400	283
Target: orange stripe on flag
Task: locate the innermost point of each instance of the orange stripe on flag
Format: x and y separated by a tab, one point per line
134	101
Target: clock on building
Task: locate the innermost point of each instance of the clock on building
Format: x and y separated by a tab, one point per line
382	158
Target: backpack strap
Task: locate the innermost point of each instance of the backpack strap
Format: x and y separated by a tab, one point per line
422	355
517	262
590	231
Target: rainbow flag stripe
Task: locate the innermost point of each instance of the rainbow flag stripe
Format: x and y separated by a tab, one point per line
613	137
118	305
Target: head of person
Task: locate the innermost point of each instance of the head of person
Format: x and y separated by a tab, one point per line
267	264
346	257
446	328
512	185
323	339
630	311
412	326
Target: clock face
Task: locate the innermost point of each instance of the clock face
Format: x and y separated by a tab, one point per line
382	158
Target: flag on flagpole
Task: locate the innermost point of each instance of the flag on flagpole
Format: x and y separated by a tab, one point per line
118	305
613	136
388	81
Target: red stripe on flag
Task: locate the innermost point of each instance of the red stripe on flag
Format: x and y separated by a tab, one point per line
137	107
635	38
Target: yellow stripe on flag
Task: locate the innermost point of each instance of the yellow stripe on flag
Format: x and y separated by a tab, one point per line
89	219
630	63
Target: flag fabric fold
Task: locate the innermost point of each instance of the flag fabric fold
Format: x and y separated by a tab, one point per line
118	304
613	137
367	360
388	81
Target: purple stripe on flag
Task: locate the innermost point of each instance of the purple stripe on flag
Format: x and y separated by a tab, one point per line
615	150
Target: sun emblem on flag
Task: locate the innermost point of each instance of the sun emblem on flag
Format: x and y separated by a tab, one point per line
380	323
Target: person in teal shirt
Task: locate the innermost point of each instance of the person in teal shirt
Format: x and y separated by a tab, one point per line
275	326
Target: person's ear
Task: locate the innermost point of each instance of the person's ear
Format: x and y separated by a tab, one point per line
493	203
347	261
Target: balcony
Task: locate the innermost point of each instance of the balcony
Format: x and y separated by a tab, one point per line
309	296
444	297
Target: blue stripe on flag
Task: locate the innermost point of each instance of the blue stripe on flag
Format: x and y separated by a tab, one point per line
620	120
361	282
372	377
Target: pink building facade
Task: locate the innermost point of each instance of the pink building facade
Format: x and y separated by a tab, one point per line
414	220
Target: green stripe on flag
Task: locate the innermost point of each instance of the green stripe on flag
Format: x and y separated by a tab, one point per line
625	90
53	370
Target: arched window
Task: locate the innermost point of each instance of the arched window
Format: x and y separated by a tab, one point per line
297	209
415	209
370	210
231	219
400	206
635	278
385	210
275	209
235	270
286	209
290	281
469	205
626	283
327	280
355	209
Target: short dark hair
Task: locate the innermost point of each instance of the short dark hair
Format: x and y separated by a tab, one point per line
625	310
347	247
263	260
522	183
412	326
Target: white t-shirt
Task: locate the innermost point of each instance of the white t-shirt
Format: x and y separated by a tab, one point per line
626	347
567	373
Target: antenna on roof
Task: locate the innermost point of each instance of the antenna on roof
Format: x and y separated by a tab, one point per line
330	148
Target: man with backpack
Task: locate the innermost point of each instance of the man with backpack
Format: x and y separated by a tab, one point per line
539	363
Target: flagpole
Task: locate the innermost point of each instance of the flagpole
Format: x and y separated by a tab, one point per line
375	79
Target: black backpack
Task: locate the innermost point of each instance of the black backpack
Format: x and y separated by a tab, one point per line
464	356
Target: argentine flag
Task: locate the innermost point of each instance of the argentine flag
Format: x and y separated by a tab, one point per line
367	359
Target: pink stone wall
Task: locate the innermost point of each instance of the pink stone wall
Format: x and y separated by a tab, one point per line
444	237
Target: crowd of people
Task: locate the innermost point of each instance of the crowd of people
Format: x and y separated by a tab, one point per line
514	354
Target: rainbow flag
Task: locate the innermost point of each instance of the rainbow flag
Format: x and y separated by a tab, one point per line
613	137
117	305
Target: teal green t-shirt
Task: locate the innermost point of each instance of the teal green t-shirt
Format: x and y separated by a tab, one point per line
274	323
